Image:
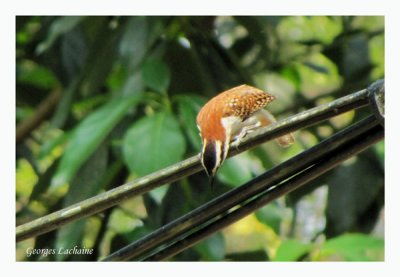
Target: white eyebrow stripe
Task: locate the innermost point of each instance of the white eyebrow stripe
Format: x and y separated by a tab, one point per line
218	158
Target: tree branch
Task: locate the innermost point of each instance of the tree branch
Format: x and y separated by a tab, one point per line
43	111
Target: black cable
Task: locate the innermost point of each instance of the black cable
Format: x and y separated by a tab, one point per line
185	168
326	163
220	205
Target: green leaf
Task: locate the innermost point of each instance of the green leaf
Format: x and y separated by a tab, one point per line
290	73
132	85
156	74
88	135
59	27
36	75
236	170
121	222
271	215
356	59
362	174
68	237
134	42
354	247
64	106
376	49
158	193
188	107
87	183
101	56
318	74
380	152
318	68
44	181
312	29
139	36
291	250
152	143
212	248
51	143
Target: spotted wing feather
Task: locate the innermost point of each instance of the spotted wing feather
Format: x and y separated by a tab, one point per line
244	100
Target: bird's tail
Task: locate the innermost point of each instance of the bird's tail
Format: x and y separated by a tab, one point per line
266	118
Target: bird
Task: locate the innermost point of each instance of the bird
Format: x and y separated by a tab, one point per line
229	117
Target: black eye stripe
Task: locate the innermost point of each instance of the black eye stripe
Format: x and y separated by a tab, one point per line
209	157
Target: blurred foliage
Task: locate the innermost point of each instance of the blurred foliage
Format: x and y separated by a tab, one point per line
130	91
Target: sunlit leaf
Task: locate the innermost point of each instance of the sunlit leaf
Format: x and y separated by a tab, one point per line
316	29
152	143
369	23
291	250
291	73
354	247
26	178
343	120
88	135
318	74
121	222
376	49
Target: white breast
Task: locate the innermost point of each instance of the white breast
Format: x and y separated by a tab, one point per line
234	125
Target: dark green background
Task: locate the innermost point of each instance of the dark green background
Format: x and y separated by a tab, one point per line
130	89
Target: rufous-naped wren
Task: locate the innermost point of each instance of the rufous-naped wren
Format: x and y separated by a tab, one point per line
227	118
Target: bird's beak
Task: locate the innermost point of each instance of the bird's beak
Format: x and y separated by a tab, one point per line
212	179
